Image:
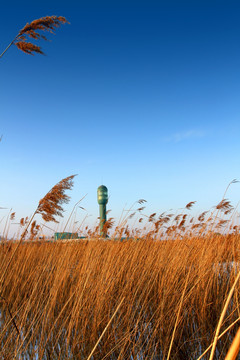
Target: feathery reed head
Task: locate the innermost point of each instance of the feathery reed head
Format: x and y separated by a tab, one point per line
12	216
190	204
141	201
28	47
224	205
50	205
23	221
34	229
47	23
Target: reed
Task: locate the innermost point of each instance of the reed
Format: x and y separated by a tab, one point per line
63	298
170	290
31	31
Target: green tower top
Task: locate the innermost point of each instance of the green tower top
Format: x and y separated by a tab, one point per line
102	195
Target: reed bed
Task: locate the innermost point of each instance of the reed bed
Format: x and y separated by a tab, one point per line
59	300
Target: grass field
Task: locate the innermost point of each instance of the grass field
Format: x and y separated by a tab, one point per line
59	299
170	291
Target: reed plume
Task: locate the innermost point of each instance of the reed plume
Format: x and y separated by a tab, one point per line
23	221
50	206
34	229
224	205
190	205
12	216
31	31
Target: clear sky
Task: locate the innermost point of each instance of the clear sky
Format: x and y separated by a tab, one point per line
142	96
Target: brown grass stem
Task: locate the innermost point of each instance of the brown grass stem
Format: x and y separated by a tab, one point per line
10	314
219	337
235	346
11	43
105	329
222	317
178	314
74	207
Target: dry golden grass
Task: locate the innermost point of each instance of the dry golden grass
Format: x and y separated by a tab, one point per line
170	291
63	296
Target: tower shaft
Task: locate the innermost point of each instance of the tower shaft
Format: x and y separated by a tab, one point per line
102	196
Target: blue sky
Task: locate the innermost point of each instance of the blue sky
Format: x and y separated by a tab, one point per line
141	96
